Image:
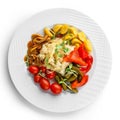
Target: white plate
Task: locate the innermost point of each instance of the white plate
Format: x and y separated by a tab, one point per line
65	102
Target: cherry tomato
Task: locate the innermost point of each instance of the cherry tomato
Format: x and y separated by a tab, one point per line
37	78
43	69
56	88
33	69
50	74
44	84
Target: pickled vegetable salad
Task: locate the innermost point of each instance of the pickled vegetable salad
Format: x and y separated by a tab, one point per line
62	55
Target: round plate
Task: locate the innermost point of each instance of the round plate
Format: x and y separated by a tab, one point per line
64	102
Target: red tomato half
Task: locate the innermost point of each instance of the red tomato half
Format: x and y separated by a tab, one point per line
33	69
56	88
44	84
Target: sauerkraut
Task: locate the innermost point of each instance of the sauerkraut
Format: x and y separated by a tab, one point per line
53	52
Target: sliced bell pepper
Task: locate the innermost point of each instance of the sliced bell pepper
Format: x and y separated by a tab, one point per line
82	52
86	69
89	61
76	84
75	58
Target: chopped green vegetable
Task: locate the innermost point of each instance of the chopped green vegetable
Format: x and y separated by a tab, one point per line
56	51
72	78
68	69
75	74
69	87
53	37
68	31
77	70
27	63
64	87
62	81
48	66
67	75
61	47
65	83
59	79
60	55
46	60
67	41
57	33
79	78
78	65
58	46
66	50
73	71
46	63
63	43
70	66
74	90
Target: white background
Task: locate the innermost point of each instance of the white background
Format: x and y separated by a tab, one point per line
105	13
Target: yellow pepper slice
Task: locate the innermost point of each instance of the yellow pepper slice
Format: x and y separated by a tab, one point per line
73	30
82	36
47	32
57	27
88	45
76	41
77	45
64	29
69	36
